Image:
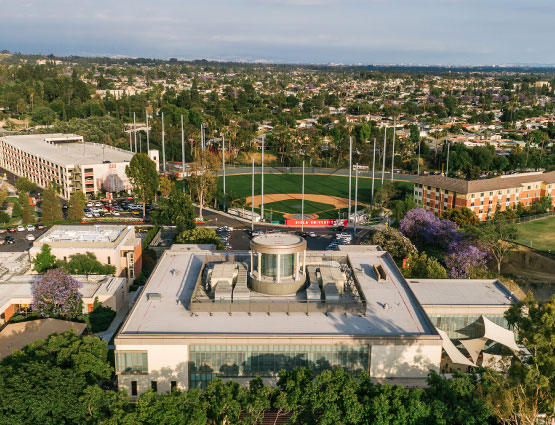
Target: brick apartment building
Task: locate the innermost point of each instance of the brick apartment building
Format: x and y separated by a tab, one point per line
437	193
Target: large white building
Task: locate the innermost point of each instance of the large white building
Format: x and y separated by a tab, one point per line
239	314
69	161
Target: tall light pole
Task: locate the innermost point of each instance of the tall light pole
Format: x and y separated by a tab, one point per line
302	204
163	147
447	172
147	133
393	151
183	152
130	142
384	146
418	164
373	173
223	165
350	175
135	132
262	184
252	197
356	198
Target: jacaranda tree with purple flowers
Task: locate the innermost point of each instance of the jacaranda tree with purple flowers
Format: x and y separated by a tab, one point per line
423	227
56	294
465	259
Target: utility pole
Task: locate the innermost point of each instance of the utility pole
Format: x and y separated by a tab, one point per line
447	172
183	152
262	184
135	131
350	175
356	199
223	165
393	151
252	198
384	146
302	204
163	146
373	173
147	133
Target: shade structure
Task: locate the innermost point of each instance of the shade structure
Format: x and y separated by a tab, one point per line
499	334
453	352
474	347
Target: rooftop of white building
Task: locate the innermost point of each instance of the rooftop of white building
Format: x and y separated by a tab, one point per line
67	149
99	235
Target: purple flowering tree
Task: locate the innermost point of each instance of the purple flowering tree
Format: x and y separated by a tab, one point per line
423	227
56	294
464	259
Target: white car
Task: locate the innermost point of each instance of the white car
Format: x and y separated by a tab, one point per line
98	204
90	204
312	234
30	228
116	213
30	237
20	228
89	215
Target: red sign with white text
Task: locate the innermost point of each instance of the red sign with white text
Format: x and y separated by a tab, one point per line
316	222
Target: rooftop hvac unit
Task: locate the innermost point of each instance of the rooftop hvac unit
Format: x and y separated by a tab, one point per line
154	296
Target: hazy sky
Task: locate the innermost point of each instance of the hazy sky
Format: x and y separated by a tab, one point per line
307	31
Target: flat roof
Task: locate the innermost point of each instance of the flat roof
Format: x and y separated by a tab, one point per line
67	149
277	239
93	234
473	292
391	310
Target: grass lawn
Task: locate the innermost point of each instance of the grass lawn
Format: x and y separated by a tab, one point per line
240	185
541	233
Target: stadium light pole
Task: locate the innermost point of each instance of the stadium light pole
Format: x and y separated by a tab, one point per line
373	173
384	147
223	165
252	197
447	171
350	175
262	185
140	143
163	147
356	198
147	133
302	204
183	153
130	142
418	163
393	151
135	132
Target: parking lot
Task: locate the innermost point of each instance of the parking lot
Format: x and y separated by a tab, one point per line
20	242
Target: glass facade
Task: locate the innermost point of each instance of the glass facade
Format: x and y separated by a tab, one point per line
463	327
211	361
131	362
269	265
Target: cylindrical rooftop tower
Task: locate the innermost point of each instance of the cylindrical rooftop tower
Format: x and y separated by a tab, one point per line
278	263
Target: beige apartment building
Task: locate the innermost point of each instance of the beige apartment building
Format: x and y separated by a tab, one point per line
484	197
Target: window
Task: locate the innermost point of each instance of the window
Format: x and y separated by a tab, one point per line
491	194
133	388
154	386
173	385
109	260
482	194
131	362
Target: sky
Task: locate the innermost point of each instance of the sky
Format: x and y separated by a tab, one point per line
427	32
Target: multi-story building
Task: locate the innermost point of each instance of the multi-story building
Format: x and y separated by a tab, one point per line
484	197
112	244
67	160
240	314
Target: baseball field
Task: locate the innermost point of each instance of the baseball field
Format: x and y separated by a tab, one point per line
326	196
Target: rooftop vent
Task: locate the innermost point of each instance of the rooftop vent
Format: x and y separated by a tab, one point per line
154	296
380	272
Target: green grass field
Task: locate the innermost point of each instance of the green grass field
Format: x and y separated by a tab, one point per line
240	185
539	234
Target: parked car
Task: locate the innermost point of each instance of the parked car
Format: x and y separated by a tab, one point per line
20	228
89	214
30	228
2	241
40	226
90	204
9	239
2	230
30	237
11	229
116	213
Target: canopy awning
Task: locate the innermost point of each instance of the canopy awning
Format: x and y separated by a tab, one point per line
474	347
499	334
453	352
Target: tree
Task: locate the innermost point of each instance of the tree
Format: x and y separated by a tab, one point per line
200	235
3	196
497	236
465	260
165	186
28	213
43	115
393	241
423	267
76	205
462	216
86	264
423	227
4	217
51	207
56	294
203	180
401	207
385	193
24	185
44	260
17	211
143	176
46	381
176	209
525	386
